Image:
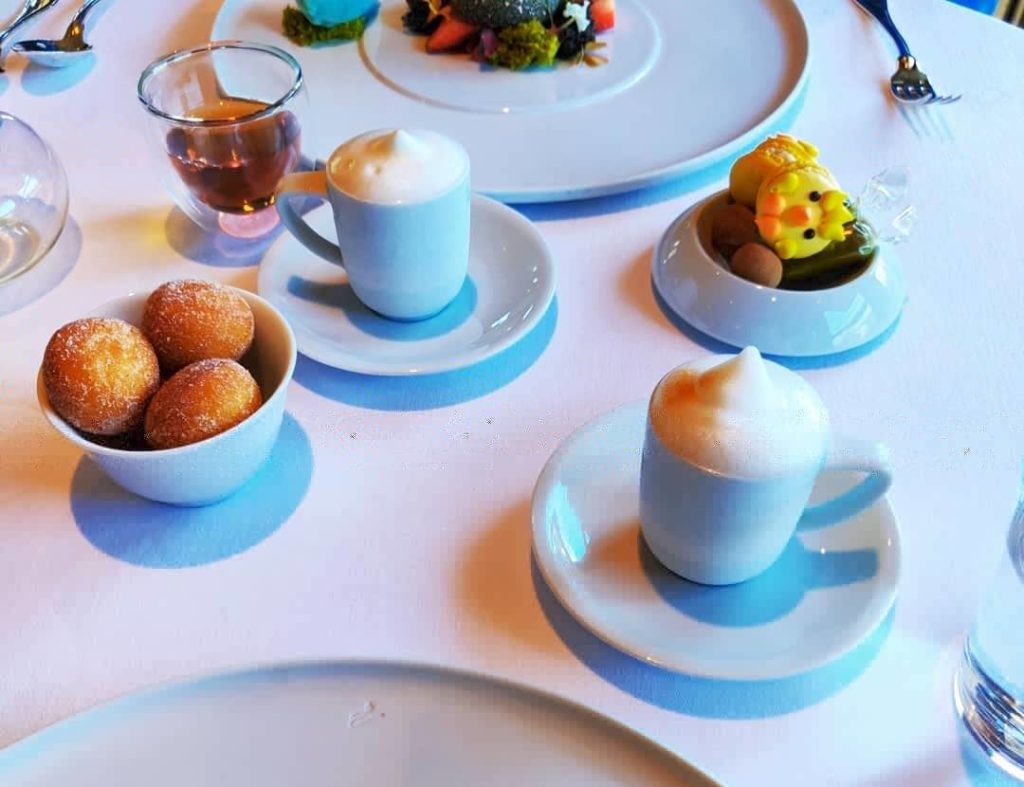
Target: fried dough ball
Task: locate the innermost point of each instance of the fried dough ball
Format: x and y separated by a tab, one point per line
191	320
99	374
202	400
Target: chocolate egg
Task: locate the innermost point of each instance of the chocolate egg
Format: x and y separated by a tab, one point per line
758	264
731	227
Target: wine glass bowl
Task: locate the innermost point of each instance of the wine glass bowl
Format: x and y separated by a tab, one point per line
33	197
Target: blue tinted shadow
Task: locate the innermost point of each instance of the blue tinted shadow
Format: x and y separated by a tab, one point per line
216	249
341	296
705	697
42	81
638	198
768	596
792	362
425	392
145	533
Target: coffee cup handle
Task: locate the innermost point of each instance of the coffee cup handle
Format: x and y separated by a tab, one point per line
847	453
305	184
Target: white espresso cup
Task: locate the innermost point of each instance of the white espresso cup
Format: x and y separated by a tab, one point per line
401	204
732	449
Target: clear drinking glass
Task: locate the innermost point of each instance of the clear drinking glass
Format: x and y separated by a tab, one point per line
989	685
226	119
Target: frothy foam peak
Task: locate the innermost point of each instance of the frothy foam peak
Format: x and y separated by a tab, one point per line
740	415
395	166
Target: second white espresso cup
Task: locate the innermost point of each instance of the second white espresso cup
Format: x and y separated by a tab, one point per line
732	449
401	204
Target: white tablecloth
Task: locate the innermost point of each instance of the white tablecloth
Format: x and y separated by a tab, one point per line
405	533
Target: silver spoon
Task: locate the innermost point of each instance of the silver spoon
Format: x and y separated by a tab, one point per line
30	9
63	51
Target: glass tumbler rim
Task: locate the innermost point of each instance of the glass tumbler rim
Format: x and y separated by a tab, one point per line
157	66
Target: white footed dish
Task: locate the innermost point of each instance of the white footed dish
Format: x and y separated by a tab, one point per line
707	296
508	289
830	590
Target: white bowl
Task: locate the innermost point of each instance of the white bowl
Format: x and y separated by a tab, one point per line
719	303
210	470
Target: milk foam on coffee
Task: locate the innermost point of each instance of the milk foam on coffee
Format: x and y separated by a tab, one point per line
397	166
740	416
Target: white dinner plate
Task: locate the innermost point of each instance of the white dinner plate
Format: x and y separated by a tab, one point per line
688	85
508	289
830	589
342	723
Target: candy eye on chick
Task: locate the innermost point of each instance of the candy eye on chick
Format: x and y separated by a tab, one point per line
800	211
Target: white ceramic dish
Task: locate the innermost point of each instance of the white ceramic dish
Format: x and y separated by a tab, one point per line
210	470
510	284
677	96
778	322
354	723
830	589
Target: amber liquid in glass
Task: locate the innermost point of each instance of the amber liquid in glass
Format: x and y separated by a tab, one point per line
235	167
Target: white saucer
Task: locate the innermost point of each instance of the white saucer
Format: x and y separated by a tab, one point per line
586	541
509	287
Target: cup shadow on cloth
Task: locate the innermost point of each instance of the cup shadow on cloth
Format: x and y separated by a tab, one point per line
769	596
791	362
429	391
154	535
46	274
707	697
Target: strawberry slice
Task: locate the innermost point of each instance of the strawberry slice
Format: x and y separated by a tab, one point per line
451	34
602	12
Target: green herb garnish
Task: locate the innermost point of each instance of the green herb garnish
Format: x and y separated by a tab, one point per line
298	29
523	45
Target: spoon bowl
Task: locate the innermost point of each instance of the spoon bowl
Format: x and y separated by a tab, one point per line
64	51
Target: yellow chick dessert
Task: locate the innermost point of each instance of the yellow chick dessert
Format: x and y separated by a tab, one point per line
778	151
800	211
787	223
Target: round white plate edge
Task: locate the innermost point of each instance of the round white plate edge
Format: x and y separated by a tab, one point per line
875	613
154	691
459	361
659	176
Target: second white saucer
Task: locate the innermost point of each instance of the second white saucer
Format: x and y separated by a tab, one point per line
510	284
830	589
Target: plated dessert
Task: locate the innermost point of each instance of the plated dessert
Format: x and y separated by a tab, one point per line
787	223
514	34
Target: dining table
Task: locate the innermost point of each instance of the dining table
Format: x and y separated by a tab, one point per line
394	522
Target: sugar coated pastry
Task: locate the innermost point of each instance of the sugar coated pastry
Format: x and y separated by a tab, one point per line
800	211
190	320
99	375
778	151
202	400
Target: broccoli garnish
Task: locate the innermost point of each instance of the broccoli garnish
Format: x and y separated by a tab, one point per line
298	29
523	45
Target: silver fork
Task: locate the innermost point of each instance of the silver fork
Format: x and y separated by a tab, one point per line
909	85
